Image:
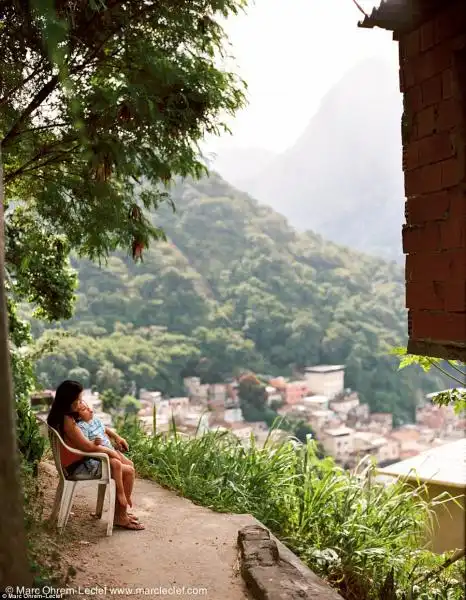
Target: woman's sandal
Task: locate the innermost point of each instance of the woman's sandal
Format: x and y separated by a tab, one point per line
132	525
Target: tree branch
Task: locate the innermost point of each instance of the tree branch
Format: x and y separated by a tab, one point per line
434	364
33	105
452	366
43	153
12	92
41	127
59	156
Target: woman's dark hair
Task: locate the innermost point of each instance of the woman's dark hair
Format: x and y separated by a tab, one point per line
67	392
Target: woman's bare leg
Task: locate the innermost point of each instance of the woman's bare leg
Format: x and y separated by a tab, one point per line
123	519
120	513
117	473
128	476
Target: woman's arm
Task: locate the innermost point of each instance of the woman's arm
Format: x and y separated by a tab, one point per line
113	435
76	439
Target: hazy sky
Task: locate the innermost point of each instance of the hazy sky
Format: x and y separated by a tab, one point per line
291	52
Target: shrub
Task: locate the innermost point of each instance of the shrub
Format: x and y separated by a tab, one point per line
31	443
43	549
358	534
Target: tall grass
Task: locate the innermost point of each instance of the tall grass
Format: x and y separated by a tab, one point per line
357	534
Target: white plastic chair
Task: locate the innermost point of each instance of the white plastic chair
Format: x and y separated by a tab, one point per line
67	487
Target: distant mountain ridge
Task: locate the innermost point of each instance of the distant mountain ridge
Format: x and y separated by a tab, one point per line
343	177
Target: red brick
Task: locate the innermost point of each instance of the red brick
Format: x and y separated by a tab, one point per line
431	178
436	148
458	44
453	234
447	84
428	64
425	295
411	156
440	326
458	204
408	70
450	22
410	44
449	115
432	90
455	296
427	36
421	238
436	266
413	99
457	265
426	122
427	266
431	207
453	171
424	180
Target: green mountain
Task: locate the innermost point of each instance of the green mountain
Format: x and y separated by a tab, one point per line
234	288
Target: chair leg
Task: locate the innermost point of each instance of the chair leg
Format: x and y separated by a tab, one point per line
70	504
102	488
66	503
57	503
111	507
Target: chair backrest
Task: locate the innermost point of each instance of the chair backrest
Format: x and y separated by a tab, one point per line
56	443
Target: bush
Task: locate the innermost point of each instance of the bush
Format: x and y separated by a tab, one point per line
356	534
43	549
31	443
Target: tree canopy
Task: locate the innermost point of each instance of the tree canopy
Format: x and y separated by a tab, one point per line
101	105
97	98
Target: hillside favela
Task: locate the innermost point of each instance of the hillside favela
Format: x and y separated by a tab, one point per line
233	299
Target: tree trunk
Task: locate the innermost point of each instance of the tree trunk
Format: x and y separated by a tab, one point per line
14	568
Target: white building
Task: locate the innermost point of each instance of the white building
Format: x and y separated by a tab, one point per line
233	415
318	419
344	406
383	449
197	421
326	380
273	395
179	404
338	442
389	451
153	398
316	402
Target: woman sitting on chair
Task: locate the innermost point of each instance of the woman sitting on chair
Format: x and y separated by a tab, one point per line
64	412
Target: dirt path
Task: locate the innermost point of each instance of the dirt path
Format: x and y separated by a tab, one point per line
185	551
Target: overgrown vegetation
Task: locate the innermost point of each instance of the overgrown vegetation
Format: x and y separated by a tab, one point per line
356	533
43	545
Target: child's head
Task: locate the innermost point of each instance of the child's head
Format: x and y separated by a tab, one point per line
85	413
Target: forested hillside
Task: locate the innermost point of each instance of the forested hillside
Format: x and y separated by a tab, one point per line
235	287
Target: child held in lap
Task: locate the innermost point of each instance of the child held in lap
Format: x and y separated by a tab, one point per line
94	430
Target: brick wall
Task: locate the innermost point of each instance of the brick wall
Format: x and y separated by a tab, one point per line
433	81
